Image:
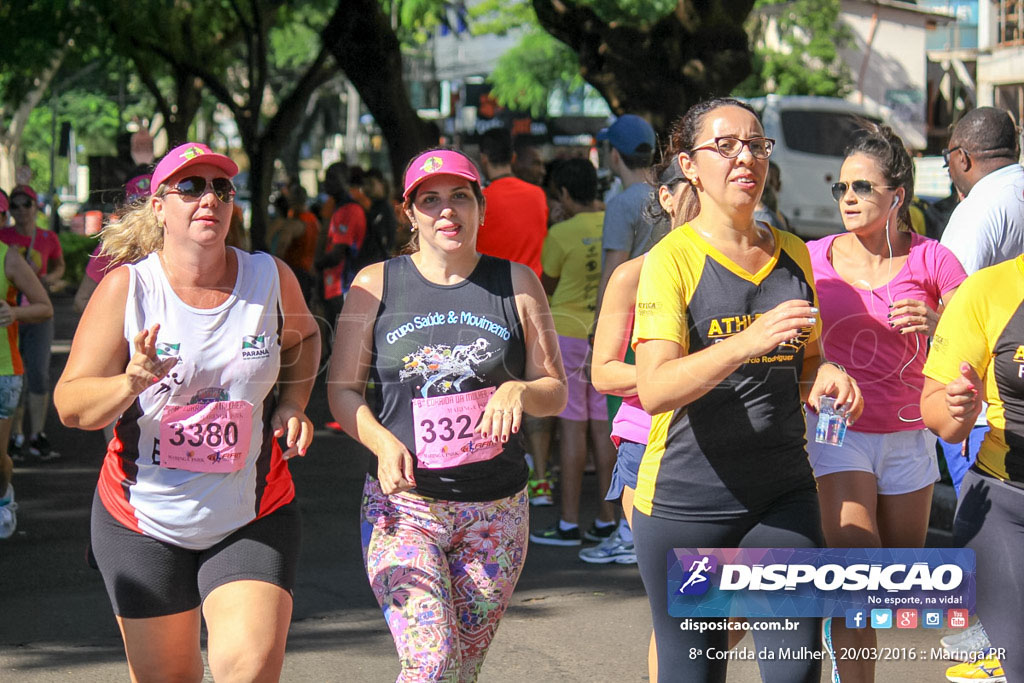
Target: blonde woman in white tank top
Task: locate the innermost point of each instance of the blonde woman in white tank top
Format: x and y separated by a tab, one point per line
204	355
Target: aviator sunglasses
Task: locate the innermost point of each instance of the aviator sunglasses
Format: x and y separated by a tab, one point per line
731	147
193	188
861	188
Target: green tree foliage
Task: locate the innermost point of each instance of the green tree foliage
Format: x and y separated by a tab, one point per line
526	75
38	37
364	37
654	59
808	63
244	54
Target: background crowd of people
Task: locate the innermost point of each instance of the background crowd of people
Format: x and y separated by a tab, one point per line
671	333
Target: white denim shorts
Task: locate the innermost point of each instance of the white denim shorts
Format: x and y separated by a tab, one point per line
902	462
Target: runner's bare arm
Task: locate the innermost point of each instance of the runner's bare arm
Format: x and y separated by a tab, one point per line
544	390
300	357
346	384
95	388
608	372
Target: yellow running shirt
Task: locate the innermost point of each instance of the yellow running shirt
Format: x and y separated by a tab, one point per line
741	446
572	253
984	325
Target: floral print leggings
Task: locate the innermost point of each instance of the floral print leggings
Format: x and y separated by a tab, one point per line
443	573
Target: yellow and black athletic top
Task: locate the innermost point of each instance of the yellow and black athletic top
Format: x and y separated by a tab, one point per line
984	326
741	446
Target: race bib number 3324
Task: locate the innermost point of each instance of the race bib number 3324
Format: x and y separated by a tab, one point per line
444	429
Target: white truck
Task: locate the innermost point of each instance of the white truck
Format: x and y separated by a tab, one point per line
811	134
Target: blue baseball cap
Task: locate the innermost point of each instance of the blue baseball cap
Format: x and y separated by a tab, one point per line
627	133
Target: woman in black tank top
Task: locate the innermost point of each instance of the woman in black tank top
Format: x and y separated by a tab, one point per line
460	345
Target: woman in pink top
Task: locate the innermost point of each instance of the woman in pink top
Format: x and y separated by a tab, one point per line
881	289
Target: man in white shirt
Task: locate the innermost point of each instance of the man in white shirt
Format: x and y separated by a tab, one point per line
987	227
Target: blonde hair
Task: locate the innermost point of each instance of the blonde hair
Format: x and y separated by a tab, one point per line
132	234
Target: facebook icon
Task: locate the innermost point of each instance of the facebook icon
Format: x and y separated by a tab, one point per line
856	618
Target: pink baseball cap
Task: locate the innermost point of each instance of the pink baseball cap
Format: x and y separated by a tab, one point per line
190	154
25	190
438	162
4	205
138	187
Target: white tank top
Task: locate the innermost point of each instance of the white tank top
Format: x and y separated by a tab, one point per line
228	353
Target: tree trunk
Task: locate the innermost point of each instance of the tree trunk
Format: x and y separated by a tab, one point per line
261	177
263	149
10	138
698	51
189	95
360	37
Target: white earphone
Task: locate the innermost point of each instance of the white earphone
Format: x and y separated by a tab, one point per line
895	201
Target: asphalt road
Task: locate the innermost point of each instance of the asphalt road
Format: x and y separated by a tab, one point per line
568	621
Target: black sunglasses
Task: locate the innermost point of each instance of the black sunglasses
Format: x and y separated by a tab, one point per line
194	187
22	204
947	152
861	188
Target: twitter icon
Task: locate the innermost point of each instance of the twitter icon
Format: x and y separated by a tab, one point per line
881	618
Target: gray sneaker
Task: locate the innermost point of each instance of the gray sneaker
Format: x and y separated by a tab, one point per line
8	520
611	549
967	643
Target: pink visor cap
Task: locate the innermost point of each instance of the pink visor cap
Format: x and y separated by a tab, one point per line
190	154
439	162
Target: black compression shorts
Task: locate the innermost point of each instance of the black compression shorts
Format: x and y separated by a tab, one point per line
146	577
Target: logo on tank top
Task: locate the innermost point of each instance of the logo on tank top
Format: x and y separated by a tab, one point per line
166	350
444	368
254	347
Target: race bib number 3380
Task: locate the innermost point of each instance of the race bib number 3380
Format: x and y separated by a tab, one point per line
206	437
444	427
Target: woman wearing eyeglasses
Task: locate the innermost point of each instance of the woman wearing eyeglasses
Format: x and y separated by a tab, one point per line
881	288
726	334
205	355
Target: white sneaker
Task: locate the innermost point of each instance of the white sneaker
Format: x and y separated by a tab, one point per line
611	549
967	643
8	520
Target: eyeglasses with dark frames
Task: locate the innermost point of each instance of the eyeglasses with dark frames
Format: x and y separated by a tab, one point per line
861	188
23	204
947	152
731	147
193	188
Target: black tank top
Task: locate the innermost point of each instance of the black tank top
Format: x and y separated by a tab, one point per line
433	340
